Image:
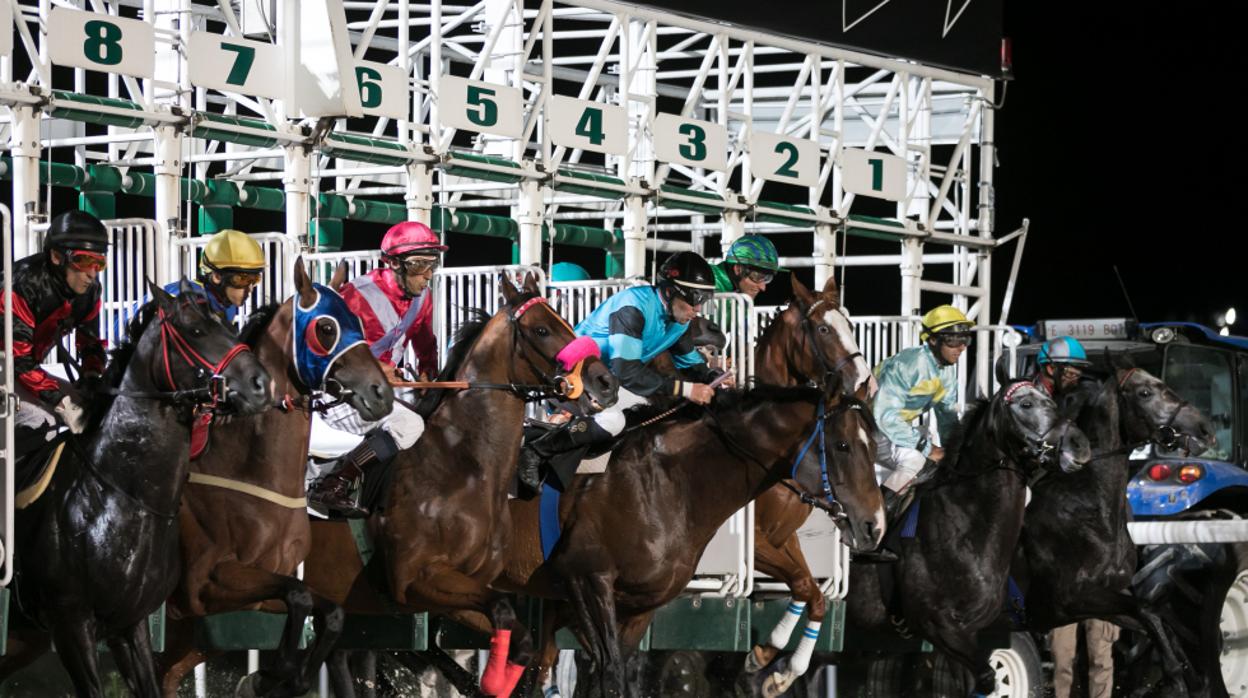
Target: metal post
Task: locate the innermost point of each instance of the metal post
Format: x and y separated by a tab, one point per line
634	237
168	171
825	254
25	149
911	276
529	214
733	227
295	180
419	196
987	161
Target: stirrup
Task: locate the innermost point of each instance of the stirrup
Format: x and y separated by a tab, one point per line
332	492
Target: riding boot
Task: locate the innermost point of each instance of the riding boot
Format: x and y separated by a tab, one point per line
560	450
892	502
333	490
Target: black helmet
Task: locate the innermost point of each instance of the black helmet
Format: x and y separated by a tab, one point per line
688	276
76	230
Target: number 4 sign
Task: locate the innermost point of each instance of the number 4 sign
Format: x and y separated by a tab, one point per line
595	126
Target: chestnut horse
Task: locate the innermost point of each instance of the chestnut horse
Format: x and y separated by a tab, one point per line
244	519
445	531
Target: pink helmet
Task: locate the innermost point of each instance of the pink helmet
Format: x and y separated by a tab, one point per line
410	237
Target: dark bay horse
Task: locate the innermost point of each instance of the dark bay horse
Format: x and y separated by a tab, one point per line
244	519
98	551
1077	558
632	536
951	580
446	531
779	512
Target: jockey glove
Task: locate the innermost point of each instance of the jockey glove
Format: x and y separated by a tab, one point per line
72	414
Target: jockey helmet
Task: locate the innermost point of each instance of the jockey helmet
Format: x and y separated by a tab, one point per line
567	271
411	237
944	320
76	230
1063	350
754	251
688	276
235	256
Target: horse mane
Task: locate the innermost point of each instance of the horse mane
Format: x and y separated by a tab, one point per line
258	322
728	402
963	432
461	345
119	360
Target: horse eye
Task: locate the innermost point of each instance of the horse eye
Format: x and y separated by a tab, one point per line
842	445
542	332
1026	404
1145	393
197	331
823	329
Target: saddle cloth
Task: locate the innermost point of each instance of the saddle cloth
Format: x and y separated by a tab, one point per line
35	472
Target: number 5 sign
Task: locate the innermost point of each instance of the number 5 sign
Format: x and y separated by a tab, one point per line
101	42
236	65
481	106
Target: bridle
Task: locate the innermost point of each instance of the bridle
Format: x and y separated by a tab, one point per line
1165	436
831	375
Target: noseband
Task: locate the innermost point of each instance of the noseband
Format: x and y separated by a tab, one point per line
831	370
567	383
1038	447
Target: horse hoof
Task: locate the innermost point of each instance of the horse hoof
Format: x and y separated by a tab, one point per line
775	685
759	658
246	687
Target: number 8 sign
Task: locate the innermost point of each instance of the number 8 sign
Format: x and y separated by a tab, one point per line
101	42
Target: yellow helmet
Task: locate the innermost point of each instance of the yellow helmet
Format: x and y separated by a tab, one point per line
944	318
231	250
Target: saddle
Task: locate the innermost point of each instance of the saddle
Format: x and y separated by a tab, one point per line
34	470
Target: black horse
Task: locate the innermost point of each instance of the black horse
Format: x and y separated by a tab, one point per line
97	553
1076	557
950	582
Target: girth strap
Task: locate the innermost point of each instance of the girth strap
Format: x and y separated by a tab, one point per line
249	489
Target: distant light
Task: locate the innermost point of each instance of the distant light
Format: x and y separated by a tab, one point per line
1163	335
1225	332
1230	316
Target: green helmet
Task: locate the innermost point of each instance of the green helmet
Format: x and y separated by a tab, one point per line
754	251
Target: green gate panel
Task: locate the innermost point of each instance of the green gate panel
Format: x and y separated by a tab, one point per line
241	630
156	628
4	620
766	613
702	623
408	631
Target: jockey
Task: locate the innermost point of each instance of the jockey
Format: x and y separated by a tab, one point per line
229	268
56	292
1060	365
751	264
568	271
631	328
913	382
395	305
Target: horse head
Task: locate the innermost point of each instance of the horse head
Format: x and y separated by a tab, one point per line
1033	431
550	353
330	351
1151	411
825	350
195	353
845	473
706	336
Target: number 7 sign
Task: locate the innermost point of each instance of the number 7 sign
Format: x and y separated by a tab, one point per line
236	65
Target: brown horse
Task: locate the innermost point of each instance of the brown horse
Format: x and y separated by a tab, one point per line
243	521
445	532
633	535
780	512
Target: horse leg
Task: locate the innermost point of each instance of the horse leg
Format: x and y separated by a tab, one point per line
340	680
631	631
75	645
961	647
789	564
132	651
364	669
803	588
594	600
180	656
511	650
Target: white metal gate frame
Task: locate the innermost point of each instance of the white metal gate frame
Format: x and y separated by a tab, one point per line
278	281
8	404
457	291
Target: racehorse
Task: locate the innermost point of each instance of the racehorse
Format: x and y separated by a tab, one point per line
779	512
308	344
1073	572
97	552
952	576
633	535
445	531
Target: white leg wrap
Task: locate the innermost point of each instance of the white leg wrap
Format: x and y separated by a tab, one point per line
784	629
805	648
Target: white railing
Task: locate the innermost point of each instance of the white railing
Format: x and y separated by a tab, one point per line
138	251
459	290
575	300
321	265
8	403
278	281
734	313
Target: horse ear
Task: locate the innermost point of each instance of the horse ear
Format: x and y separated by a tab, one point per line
340	276
530	283
830	292
508	288
802	294
158	294
303	284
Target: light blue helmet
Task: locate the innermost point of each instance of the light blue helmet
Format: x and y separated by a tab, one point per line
567	271
1063	350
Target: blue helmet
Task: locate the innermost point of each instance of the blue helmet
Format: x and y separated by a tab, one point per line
567	271
1063	350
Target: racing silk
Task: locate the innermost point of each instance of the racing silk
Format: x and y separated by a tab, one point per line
723	278
44	311
631	328
392	320
224	311
911	383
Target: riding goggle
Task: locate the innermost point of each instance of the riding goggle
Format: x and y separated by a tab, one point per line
415	266
760	276
955	340
240	279
694	296
81	260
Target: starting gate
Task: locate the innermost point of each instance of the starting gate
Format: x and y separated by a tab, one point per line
8	404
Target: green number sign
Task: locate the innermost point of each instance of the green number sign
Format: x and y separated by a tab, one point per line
695	149
487	114
103	44
877	173
242	63
786	170
370	86
590	126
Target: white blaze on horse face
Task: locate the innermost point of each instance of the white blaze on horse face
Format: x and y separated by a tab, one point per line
860	372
